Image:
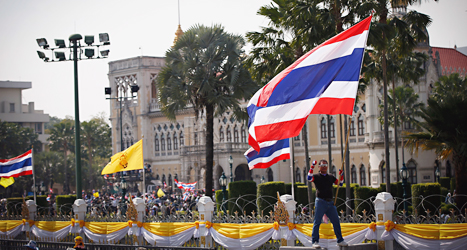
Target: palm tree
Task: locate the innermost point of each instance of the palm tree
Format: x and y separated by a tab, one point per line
205	69
62	139
47	166
446	130
405	32
96	140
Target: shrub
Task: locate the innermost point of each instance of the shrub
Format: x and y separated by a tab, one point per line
219	197
445	182
340	204
425	190
268	193
396	189
65	203
14	203
362	199
247	203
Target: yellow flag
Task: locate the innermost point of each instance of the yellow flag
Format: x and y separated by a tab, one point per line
96	194
160	193
5	182
129	159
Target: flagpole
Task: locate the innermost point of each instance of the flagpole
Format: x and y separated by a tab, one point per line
144	170
343	161
33	173
292	161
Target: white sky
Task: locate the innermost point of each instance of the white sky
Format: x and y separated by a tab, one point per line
131	25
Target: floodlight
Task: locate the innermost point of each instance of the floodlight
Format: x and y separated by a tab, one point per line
42	56
108	91
134	88
105	53
89	40
42	42
104	38
89	53
60	56
60	43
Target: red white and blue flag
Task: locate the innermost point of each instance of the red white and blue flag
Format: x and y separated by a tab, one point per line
270	153
17	166
185	186
323	81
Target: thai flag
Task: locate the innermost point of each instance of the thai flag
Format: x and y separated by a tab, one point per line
185	186
18	166
270	153
178	184
323	81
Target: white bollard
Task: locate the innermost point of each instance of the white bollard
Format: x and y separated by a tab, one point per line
32	208
205	209
384	208
289	204
140	208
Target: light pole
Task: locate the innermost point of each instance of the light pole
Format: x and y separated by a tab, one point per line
120	98
75	45
223	183
404	175
231	162
438	174
262	179
123	185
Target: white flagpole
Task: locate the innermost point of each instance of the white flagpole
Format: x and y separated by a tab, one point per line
33	173
292	161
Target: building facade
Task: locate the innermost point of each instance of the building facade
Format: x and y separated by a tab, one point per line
176	149
13	110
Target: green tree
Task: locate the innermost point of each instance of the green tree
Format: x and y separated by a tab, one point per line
47	167
62	140
405	33
445	128
16	140
96	142
205	69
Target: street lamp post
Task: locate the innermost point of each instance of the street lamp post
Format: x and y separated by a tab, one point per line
231	162
404	175
75	45
223	183
438	174
108	91
262	179
123	185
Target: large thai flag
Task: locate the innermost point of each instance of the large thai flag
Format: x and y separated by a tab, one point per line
18	166
323	81
270	153
185	186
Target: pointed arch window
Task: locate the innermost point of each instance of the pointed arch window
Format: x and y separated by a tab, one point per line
196	138
229	134
156	143
362	175
297	175
270	175
361	125
243	134
169	142
170	180
333	128
175	141
352	127
182	139
324	132
353	172
221	134
236	134
162	142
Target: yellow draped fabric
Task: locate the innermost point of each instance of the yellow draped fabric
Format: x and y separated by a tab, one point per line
434	231
105	227
168	228
129	159
7	225
52	226
239	231
327	232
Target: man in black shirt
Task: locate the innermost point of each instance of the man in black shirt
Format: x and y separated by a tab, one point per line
324	203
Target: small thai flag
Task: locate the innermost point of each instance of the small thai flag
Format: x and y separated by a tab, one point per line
17	166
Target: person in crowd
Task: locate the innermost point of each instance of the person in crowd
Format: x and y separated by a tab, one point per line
32	245
324	203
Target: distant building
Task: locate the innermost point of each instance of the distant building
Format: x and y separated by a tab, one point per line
13	110
177	148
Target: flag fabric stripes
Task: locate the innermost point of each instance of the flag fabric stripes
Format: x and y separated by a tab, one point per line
270	153
323	81
17	166
185	186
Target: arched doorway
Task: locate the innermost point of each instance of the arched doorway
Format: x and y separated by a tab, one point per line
242	173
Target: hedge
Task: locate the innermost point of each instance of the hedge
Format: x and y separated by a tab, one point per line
65	203
445	182
424	190
247	203
14	203
362	196
340	203
268	192
396	189
219	197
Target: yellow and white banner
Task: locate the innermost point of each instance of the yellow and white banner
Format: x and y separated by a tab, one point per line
248	236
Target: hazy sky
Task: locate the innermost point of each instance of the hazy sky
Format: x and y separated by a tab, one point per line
137	28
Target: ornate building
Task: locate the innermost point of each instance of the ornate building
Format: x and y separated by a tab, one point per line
176	149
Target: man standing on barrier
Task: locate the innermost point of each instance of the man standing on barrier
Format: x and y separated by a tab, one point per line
324	204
